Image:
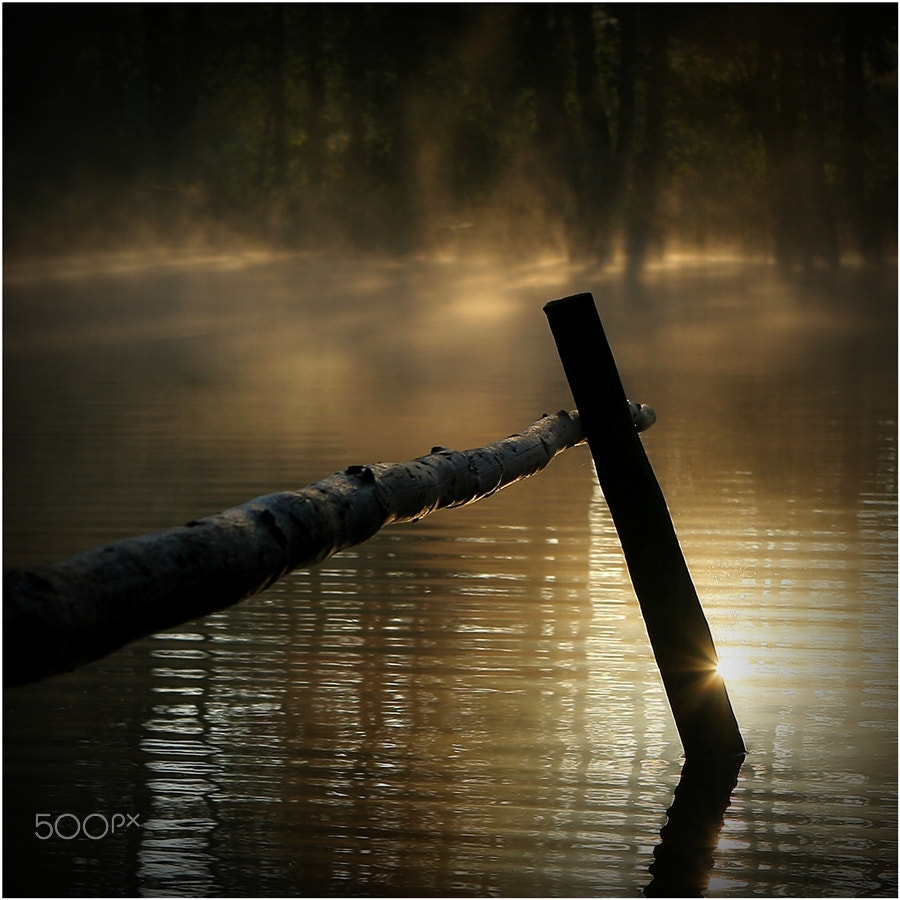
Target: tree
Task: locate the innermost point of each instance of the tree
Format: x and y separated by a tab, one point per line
610	124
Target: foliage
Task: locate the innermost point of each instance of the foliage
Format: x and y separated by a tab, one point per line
596	127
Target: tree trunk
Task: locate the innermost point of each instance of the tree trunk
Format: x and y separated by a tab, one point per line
594	177
315	151
641	216
278	100
855	134
60	616
625	89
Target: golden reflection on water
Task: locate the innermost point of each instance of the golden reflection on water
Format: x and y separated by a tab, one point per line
737	663
433	719
470	704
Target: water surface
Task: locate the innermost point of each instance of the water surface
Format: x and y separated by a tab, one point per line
467	705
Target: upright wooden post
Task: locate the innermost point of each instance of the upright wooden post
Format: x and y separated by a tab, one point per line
676	626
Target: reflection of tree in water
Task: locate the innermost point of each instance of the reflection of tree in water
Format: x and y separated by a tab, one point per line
685	854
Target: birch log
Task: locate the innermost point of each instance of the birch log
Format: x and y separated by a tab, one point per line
60	616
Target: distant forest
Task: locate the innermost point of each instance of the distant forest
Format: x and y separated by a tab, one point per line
596	129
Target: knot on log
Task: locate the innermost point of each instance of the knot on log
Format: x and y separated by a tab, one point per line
642	415
364	473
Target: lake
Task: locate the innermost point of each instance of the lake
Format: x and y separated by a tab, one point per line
467	705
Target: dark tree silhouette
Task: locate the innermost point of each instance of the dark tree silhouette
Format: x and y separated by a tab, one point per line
612	125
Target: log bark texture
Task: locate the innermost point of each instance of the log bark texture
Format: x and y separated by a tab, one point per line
60	616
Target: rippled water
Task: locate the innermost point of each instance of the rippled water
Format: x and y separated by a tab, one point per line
467	705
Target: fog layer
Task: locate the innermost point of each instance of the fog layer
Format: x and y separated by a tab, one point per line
591	130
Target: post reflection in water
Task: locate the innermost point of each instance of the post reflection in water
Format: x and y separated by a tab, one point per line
685	854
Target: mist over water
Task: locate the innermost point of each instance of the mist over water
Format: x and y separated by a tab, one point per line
468	705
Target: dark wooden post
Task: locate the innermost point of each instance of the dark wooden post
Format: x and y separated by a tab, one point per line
676	625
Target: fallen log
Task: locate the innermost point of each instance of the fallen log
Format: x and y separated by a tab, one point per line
60	616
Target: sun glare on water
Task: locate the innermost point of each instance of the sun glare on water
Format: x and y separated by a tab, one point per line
734	664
